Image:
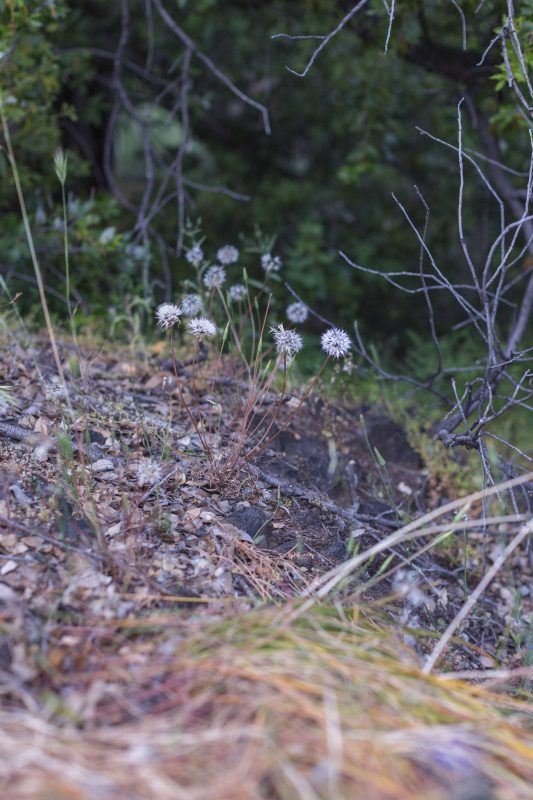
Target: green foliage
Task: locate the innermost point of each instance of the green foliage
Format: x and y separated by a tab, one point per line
33	83
509	116
342	139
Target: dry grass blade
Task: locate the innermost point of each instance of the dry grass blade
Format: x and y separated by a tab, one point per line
465	525
490	675
439	649
331	706
324	584
27	228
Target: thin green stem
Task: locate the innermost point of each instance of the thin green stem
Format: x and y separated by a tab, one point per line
233	331
31	246
67	279
184	402
278	406
67	258
261	446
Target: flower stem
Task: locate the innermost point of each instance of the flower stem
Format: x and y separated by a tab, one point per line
258	448
184	402
31	245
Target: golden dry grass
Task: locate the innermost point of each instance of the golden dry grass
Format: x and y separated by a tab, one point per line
332	706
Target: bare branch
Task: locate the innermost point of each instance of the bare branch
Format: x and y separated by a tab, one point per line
184	107
212	67
391	20
463	21
325	40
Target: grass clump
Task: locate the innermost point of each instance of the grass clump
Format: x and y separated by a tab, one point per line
330	706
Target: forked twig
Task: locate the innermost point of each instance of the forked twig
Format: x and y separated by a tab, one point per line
325	584
443	642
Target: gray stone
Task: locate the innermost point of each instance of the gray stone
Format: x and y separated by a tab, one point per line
253	521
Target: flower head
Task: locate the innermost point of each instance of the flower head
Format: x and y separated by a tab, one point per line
270	263
237	291
287	342
214	277
297	312
335	342
168	315
54	389
195	255
406	584
200	326
190	305
148	472
228	254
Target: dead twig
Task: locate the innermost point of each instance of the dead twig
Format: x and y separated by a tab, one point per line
438	651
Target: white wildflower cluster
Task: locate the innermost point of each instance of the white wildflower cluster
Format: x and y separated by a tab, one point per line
148	472
107	235
195	255
200	326
287	342
406	584
335	343
54	389
168	314
270	263
297	312
228	255
237	291
214	277
190	305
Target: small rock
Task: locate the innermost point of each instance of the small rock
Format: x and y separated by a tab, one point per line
20	495
114	529
6	656
102	465
252	521
106	476
335	551
404	488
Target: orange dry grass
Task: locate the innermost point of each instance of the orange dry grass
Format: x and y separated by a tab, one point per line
331	707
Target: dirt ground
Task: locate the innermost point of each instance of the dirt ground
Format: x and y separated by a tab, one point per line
119	547
82	533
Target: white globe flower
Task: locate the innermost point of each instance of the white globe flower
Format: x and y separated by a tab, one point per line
214	277
195	255
297	312
191	305
168	315
335	343
228	254
287	342
270	263
200	326
237	291
148	472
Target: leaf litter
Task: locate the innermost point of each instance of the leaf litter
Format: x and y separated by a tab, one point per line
144	644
